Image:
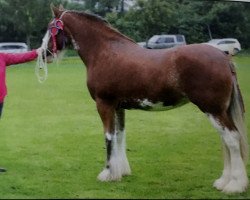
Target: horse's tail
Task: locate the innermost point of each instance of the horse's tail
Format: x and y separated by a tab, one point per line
236	111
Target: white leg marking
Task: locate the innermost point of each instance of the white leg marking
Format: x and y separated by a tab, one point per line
238	179
121	141
118	163
108	136
104	175
234	178
220	183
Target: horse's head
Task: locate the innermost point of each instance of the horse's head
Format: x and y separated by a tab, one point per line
56	38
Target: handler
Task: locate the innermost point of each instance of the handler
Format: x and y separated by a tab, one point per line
7	59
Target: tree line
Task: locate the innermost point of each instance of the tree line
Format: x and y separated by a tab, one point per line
198	20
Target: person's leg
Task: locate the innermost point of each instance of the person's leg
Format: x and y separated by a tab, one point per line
1	108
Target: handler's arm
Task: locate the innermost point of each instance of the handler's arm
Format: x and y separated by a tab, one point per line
12	59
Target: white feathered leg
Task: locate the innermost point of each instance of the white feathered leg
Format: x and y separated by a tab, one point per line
238	177
117	162
234	177
220	183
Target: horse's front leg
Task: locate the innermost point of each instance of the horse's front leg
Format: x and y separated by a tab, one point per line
115	164
121	141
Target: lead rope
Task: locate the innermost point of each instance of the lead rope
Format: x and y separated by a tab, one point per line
41	69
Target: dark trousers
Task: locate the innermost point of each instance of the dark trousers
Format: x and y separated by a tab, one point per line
1	108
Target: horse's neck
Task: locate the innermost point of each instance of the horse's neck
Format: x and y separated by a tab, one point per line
91	39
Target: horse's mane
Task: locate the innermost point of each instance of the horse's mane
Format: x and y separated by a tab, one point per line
99	19
90	16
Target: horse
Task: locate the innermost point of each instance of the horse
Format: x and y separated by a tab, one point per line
121	75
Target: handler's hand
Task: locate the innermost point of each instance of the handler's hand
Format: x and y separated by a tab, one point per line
39	50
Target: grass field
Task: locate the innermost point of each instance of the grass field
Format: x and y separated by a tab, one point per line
53	146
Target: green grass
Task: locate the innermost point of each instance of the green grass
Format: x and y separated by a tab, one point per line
53	146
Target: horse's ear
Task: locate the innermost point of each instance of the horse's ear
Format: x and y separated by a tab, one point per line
55	11
61	7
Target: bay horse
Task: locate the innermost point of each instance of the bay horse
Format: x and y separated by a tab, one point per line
122	75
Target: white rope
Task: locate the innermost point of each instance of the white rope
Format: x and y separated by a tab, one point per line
41	69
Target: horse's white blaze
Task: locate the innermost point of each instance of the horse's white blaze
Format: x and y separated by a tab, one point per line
118	163
234	177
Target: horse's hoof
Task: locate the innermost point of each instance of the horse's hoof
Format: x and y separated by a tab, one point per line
106	176
235	186
220	183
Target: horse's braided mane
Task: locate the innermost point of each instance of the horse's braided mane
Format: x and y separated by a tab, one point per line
99	19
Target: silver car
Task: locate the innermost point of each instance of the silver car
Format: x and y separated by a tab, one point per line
165	41
13	47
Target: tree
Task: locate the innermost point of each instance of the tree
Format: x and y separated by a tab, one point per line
191	20
147	18
101	7
197	20
24	20
229	20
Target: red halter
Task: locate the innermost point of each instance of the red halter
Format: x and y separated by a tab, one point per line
56	25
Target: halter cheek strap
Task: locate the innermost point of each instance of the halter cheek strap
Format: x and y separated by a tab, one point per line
57	25
54	44
64	12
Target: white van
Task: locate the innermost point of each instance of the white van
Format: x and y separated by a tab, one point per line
165	41
228	45
13	47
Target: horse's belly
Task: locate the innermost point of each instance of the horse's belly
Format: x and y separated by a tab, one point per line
148	105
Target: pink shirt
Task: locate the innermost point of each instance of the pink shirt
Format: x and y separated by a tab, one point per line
7	59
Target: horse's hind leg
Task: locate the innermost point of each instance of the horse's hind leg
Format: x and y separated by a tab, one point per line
234	177
113	122
225	177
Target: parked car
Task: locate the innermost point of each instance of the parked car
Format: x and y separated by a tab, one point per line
13	47
165	41
228	45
